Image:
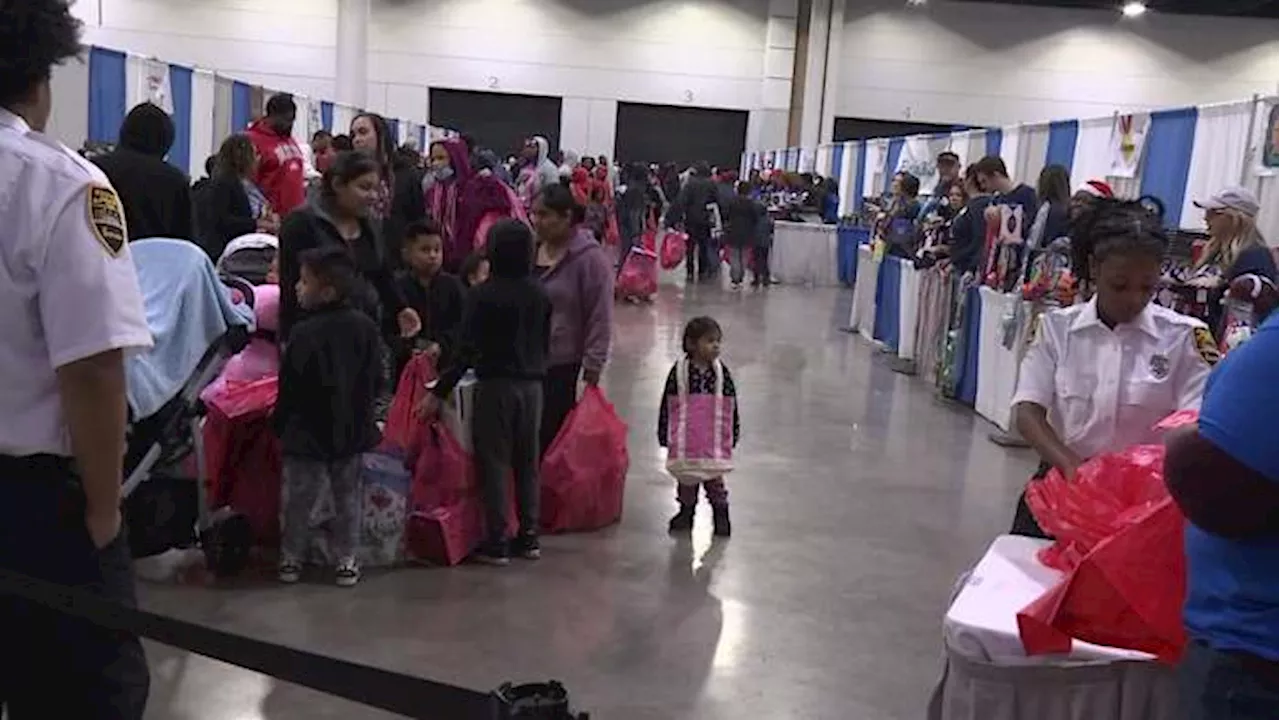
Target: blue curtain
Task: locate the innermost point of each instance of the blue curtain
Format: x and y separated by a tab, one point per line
393	129
326	115
971	333
888	302
422	138
895	153
859	177
837	162
180	87
995	138
1167	160
106	94
1062	143
241	112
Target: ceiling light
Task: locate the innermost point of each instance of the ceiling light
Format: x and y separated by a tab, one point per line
916	3
1133	9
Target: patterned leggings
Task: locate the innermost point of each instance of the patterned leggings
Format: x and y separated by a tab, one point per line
716	491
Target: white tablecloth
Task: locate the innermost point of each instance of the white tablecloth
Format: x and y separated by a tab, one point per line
908	309
804	254
988	676
981	622
862	317
998	365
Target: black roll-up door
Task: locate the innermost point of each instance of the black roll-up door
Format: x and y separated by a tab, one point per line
499	121
683	135
849	128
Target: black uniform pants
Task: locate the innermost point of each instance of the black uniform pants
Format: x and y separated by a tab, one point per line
1024	523
53	665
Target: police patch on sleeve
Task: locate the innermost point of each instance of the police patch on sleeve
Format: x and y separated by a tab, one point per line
106	218
1205	345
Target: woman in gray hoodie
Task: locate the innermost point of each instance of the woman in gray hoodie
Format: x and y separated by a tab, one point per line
577	277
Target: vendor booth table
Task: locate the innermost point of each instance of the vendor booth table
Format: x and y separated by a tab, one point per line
848	239
1005	329
805	254
989	676
862	315
886	310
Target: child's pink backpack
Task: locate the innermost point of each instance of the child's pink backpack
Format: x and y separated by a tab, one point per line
699	430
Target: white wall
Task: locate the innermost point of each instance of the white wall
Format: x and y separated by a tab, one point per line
1000	64
593	53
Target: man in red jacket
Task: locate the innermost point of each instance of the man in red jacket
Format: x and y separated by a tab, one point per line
280	173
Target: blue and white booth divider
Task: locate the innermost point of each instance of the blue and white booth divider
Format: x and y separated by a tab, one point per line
92	99
1186	154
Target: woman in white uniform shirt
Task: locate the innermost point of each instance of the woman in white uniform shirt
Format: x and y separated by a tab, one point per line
69	308
1099	374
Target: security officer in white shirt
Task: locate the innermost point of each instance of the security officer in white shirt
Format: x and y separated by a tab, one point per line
1099	374
69	309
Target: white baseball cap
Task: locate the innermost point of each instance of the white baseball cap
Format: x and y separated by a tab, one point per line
1231	198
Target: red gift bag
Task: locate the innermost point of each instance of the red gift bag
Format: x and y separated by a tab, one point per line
443	472
1125	593
584	472
673	249
446	535
245	401
639	275
401	423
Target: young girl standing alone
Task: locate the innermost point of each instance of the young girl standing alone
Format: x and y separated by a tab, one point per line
698	424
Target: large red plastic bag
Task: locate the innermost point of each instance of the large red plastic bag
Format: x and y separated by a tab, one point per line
584	472
673	249
446	535
443	472
242	461
401	421
1109	493
1126	593
639	275
244	401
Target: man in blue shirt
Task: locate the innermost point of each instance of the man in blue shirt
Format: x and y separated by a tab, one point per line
1223	475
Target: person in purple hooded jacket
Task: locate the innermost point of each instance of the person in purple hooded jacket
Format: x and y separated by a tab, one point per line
578	279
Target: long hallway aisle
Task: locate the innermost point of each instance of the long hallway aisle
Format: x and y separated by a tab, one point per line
857	500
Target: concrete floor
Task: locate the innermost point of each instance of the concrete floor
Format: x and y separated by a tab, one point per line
857	500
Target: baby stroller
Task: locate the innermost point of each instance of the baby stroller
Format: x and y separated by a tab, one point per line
249	258
196	328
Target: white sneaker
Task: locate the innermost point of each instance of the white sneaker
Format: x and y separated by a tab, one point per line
347	573
289	571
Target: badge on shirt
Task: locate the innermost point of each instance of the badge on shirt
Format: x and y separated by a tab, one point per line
106	217
1159	366
1205	345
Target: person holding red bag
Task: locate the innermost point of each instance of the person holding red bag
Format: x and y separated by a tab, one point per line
505	336
1100	374
1222	473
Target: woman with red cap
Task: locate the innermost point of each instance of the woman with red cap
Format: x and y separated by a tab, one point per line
461	201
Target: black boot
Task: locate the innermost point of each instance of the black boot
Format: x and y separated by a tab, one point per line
720	521
681	522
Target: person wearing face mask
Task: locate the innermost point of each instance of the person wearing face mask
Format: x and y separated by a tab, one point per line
1100	374
464	203
338	216
397	202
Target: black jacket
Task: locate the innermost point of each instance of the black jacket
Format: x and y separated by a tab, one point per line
969	235
156	195
439	305
408	205
506	322
690	206
311	226
223	213
742	221
329	378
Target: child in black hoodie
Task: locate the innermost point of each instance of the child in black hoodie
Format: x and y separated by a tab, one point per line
434	294
329	380
505	335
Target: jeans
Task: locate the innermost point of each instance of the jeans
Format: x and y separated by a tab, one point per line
760	265
304	480
504	431
737	264
54	665
1214	685
699	254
